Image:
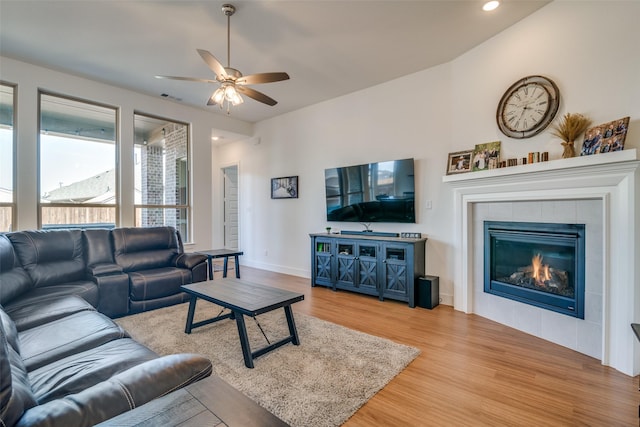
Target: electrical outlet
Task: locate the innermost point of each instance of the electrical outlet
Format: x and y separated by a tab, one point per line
266	252
428	204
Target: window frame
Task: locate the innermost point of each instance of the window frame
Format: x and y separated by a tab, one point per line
188	206
116	136
14	154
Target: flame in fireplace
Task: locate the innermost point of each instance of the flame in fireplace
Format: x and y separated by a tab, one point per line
540	271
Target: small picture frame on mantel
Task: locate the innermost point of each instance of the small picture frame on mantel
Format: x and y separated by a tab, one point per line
486	156
459	162
284	187
605	138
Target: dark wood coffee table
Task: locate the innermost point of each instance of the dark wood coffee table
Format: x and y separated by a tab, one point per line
243	299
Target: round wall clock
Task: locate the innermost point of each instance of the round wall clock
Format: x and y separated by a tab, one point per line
527	107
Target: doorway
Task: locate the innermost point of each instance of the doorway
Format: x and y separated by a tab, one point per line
230	206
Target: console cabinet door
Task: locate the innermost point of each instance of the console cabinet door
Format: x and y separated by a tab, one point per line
323	256
397	281
368	268
346	265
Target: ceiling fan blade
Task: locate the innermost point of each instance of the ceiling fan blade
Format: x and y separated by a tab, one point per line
258	96
189	79
253	79
213	63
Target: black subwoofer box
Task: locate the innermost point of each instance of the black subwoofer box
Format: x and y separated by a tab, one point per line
428	291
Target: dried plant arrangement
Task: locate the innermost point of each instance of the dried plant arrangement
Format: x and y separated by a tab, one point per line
568	129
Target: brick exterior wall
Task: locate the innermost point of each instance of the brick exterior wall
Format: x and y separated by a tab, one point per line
161	181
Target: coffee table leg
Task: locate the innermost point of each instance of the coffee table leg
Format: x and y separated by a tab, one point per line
226	264
192	310
237	266
292	325
244	340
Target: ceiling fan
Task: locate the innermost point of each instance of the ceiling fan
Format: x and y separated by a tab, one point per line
232	82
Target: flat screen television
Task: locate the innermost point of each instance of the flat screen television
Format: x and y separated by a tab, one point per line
374	192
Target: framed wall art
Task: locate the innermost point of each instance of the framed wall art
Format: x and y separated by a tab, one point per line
605	138
284	188
459	162
486	156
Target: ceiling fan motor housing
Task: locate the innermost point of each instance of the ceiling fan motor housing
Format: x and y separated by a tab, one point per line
232	73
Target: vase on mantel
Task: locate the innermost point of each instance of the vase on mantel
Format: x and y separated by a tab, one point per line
569	150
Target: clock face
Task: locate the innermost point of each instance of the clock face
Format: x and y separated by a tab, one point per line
528	107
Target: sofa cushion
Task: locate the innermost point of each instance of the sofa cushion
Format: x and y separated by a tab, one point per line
80	371
85	289
60	338
15	391
50	257
145	248
156	283
14	280
42	310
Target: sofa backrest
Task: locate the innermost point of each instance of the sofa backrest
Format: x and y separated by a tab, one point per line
14	280
98	247
145	248
50	257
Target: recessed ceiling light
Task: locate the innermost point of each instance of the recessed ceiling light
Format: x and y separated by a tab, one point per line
490	5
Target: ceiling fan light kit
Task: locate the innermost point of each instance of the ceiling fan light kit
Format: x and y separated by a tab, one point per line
232	82
226	92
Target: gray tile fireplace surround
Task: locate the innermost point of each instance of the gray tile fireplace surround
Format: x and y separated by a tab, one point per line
601	191
580	335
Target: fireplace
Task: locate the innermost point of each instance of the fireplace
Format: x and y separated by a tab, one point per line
541	264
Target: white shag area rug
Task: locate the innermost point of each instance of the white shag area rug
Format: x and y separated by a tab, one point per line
321	382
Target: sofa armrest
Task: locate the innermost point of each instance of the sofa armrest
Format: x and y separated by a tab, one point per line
113	291
123	392
189	261
113	288
104	269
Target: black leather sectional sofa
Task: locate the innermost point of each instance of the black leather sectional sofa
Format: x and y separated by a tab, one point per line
63	361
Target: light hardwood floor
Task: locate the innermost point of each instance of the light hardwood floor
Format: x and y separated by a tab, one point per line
471	371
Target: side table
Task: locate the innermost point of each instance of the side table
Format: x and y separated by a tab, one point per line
222	253
208	402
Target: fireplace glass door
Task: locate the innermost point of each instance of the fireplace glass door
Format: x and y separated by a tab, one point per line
536	263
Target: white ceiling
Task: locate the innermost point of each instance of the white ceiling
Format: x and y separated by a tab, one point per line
329	48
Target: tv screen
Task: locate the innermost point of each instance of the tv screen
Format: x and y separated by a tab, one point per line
374	192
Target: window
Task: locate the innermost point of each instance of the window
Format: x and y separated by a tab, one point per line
77	168
162	173
7	158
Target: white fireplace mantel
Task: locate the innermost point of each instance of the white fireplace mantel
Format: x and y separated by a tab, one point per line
613	178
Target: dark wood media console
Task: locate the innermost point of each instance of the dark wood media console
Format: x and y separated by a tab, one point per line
386	267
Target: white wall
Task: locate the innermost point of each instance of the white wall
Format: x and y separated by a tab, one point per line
399	119
589	49
29	79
